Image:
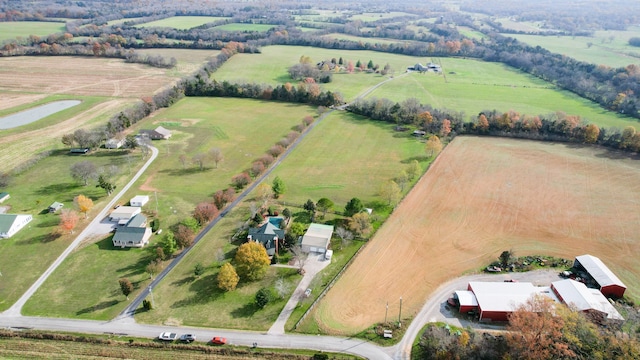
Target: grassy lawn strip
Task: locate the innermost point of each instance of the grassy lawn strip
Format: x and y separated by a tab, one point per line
197	125
27	254
181	22
13	29
29	346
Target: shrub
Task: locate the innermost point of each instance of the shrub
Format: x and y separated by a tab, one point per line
146	304
263	296
155	224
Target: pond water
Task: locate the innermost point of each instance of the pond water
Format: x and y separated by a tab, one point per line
35	114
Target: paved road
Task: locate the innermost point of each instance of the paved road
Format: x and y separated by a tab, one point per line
87	232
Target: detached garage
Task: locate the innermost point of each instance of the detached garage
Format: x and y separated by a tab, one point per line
317	238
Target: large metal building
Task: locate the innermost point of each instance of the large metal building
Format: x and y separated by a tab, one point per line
607	281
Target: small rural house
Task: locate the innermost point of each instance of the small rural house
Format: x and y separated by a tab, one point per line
317	238
268	235
123	214
114	143
4	196
158	133
139	200
606	280
55	207
134	234
12	223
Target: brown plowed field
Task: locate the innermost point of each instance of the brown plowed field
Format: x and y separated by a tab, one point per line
480	197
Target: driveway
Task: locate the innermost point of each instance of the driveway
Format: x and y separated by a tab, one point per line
314	264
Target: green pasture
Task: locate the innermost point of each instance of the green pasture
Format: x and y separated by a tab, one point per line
270	67
471	33
378	16
528	26
22	29
473	86
26	255
369	40
197	124
181	22
347	156
244	27
608	48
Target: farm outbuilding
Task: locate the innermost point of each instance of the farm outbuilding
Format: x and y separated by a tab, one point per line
497	300
55	207
580	297
4	196
317	238
12	223
158	133
139	200
607	281
465	300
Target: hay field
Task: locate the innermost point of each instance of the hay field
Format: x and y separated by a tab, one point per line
480	197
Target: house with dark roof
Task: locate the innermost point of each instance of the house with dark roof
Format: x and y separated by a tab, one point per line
134	234
268	235
158	133
12	223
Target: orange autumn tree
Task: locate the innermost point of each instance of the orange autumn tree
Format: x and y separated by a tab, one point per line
68	220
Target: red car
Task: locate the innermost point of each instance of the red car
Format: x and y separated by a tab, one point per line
219	340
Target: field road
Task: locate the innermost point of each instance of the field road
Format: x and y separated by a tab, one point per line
16	309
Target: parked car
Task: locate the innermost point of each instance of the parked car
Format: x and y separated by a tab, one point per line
218	340
307	293
167	336
187	338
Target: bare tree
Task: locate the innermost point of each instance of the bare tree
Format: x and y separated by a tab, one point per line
83	171
345	235
216	156
183	160
198	159
299	257
282	288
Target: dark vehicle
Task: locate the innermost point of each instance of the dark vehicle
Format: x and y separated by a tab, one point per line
187	338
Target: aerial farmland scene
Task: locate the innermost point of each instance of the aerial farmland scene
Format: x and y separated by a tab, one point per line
320	180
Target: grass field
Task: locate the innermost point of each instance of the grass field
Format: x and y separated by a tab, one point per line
354	141
15	29
26	255
244	27
189	60
362	39
483	196
198	124
473	86
181	22
608	48
379	16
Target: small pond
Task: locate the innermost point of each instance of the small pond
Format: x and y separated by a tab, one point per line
35	114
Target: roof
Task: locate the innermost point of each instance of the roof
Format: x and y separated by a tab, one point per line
266	232
3	194
6	220
317	235
127	234
163	131
140	198
124	211
138	220
505	296
466	298
599	271
56	205
582	298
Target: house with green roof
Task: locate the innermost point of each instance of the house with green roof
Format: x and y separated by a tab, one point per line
268	235
12	223
134	234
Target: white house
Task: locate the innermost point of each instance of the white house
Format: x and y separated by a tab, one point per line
134	234
317	238
12	223
123	214
139	200
114	143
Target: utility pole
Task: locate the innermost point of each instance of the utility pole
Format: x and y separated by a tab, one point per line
400	313
386	312
155	193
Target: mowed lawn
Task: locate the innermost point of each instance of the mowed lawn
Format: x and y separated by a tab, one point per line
472	86
610	48
14	29
482	196
242	129
26	255
342	157
181	22
347	156
272	64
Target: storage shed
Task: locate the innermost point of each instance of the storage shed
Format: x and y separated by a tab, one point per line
4	196
55	207
123	214
317	238
607	281
139	200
